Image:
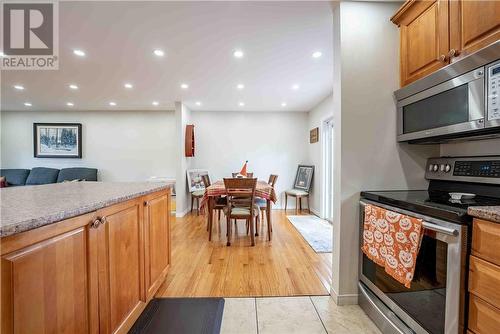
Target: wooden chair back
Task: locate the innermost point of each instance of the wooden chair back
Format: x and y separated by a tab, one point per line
272	179
240	192
206	180
249	175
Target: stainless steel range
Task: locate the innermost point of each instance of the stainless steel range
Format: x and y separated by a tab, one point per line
437	300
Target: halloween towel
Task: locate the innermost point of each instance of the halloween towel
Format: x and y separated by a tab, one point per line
392	240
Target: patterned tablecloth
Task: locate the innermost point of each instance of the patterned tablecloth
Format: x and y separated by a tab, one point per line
263	190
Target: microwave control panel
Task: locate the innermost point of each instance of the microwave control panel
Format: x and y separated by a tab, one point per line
493	95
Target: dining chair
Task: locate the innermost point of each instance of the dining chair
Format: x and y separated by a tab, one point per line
195	196
220	202
241	204
262	203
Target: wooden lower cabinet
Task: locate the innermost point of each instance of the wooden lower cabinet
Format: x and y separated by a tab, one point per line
120	256
484	278
157	240
89	274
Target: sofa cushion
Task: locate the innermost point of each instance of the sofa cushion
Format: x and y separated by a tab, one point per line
77	173
42	175
15	177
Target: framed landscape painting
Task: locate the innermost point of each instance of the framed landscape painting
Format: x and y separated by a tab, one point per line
194	179
57	140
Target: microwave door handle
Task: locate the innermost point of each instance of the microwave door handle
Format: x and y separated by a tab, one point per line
440	229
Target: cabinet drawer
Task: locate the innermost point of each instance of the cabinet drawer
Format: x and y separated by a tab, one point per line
485	240
484	280
483	318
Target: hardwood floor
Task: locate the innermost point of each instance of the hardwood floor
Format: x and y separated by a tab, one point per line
286	266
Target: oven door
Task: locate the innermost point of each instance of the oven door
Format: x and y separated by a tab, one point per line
434	303
452	107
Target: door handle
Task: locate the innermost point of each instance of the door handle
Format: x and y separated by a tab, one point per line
440	229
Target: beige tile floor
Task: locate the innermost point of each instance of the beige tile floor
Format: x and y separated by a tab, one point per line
280	315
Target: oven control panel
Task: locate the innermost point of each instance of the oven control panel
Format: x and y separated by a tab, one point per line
467	169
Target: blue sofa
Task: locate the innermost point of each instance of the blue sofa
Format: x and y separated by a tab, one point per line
44	175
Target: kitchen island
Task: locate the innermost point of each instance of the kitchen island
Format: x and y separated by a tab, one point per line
82	257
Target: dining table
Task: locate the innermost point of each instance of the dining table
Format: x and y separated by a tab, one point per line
262	190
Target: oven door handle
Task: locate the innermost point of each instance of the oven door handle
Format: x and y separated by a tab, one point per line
427	225
440	229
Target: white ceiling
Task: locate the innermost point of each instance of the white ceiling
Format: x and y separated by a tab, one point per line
278	39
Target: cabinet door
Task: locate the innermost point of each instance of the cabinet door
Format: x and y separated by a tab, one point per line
51	286
473	25
424	39
157	246
120	259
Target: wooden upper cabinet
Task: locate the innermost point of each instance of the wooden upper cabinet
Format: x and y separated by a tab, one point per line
121	260
50	286
424	42
157	241
473	25
435	33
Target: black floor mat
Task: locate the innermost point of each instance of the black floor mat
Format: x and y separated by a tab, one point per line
180	316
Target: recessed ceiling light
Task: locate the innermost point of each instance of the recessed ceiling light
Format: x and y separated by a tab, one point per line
27	104
241	104
317	54
159	53
283	104
73	86
128	85
238	54
79	53
70	104
19	87
184	86
112	103
198	103
155	103
240	86
295	87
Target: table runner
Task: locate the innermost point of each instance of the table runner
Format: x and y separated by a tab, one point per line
262	190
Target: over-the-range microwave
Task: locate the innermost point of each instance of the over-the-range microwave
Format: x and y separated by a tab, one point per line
457	102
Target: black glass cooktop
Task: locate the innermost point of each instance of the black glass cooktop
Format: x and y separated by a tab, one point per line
436	204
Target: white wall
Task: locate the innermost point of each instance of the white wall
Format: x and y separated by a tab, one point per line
367	156
479	147
316	117
273	143
123	145
183	197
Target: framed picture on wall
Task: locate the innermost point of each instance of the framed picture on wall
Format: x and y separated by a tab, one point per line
304	177
194	179
57	140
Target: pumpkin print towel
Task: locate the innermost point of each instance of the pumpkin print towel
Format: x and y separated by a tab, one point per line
392	240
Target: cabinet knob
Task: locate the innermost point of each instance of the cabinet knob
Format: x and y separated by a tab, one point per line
103	220
95	223
442	58
453	53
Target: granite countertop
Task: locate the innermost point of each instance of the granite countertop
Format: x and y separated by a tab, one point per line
491	213
28	207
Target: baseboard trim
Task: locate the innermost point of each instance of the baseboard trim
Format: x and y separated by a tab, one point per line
182	213
347	299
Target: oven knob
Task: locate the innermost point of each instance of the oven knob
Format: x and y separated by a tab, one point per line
447	168
442	167
435	168
431	167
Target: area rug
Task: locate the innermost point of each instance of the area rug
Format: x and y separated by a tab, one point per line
316	231
180	316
